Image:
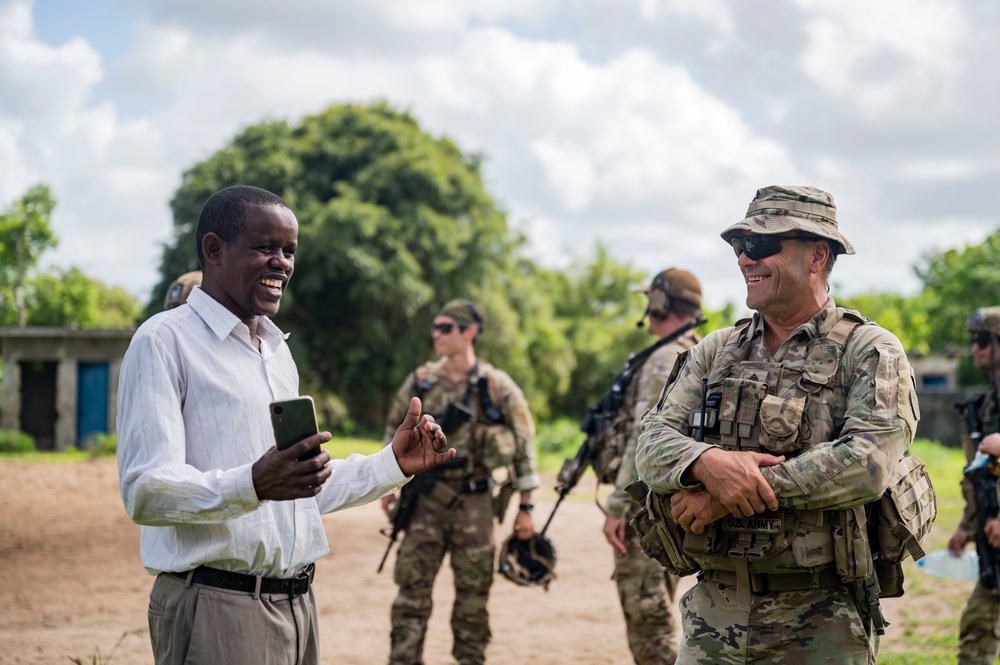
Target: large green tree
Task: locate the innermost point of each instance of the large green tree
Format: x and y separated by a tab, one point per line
25	233
393	223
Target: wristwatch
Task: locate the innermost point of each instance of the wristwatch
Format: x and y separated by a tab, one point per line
527	507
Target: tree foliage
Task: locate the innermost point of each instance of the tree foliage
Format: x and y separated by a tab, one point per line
393	223
71	299
25	233
64	297
956	283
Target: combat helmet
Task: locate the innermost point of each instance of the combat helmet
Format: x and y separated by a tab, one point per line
985	320
180	289
528	562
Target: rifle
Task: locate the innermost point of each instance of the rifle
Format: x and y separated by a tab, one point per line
982	473
601	415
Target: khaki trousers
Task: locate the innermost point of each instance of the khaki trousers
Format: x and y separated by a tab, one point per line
202	625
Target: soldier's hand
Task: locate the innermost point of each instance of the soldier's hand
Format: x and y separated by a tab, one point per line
614	532
418	442
993	533
524	525
387	502
958	540
734	478
990	445
694	510
279	475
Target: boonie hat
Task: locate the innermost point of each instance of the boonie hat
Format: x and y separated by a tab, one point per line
985	319
781	208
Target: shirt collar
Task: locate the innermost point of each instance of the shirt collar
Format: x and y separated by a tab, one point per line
222	322
811	328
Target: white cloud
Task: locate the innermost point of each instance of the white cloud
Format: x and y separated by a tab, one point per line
879	55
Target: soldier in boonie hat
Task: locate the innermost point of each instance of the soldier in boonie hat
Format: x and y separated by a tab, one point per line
781	209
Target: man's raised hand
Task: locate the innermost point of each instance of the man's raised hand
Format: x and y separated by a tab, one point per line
418	442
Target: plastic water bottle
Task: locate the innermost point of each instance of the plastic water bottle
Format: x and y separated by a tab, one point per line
942	563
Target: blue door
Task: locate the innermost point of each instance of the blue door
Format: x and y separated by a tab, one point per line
92	400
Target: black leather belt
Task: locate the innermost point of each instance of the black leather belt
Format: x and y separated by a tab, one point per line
224	579
761	583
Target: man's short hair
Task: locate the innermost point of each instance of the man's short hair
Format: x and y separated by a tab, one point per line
223	213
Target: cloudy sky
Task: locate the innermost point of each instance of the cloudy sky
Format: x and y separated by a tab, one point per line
643	124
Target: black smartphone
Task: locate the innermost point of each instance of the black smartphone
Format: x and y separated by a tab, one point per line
293	420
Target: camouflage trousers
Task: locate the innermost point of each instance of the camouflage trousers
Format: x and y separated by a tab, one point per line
979	629
788	628
466	534
646	592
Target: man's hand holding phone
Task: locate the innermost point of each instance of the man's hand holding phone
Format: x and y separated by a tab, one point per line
280	475
296	467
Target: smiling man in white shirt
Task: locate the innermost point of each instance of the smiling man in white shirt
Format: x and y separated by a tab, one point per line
231	526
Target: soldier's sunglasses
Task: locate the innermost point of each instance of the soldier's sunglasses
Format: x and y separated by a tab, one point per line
446	328
981	340
761	247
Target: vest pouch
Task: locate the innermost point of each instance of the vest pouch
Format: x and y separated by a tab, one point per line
780	418
496	445
906	512
660	537
851	551
890	579
442	493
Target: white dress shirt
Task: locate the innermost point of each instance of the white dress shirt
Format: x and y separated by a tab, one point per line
193	417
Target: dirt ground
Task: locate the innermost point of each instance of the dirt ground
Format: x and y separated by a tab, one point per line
73	582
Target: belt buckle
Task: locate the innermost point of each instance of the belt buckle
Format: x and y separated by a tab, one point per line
758	584
299	584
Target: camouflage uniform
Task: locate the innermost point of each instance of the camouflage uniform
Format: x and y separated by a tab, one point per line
979	627
645	589
836	374
466	530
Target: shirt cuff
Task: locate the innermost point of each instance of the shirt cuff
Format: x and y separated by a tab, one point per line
238	483
528	482
387	469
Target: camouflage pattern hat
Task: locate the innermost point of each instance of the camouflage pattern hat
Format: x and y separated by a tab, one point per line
180	289
780	209
985	319
464	312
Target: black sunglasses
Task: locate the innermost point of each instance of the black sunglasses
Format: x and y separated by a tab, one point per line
981	340
760	247
446	328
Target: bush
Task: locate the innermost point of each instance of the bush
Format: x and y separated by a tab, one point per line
101	444
560	437
16	441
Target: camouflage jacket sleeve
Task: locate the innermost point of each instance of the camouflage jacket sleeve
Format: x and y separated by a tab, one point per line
649	384
514	409
663	453
881	416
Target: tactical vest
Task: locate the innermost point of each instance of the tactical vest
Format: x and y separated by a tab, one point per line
481	436
784	409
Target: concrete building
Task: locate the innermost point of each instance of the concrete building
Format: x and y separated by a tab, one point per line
60	385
